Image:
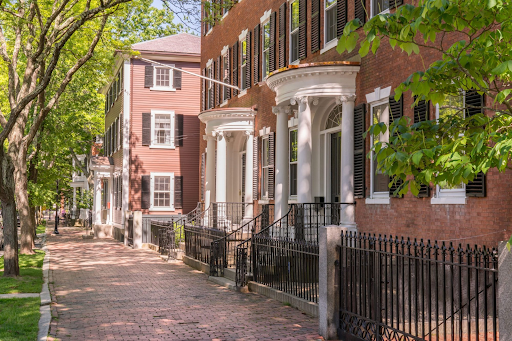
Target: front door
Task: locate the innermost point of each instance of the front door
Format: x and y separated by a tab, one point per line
242	192
335	166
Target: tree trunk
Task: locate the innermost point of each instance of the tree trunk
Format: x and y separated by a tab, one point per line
11	266
22	202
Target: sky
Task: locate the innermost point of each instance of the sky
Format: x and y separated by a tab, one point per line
159	4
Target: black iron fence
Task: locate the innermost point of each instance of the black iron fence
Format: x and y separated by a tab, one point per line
226	216
397	289
198	241
129	230
223	250
168	234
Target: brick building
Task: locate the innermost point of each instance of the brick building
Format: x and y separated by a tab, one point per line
151	128
292	133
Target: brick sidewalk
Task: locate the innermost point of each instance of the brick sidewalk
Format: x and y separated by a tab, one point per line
105	291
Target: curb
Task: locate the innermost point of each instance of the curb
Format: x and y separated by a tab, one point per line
46	316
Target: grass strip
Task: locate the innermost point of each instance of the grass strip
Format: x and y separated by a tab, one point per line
40	229
31	275
19	319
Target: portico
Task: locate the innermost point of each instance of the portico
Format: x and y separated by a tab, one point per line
313	92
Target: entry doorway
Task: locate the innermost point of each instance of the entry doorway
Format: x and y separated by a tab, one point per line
243	167
335	167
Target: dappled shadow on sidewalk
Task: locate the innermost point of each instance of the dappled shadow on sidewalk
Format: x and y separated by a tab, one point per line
106	291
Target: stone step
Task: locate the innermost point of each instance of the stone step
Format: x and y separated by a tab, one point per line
230	273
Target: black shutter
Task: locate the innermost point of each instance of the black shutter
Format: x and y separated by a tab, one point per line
359	151
178	191
203	91
228	75
474	104
271	169
235	68
203	174
396	110
178	130
302	29
272	48
256	65
176	82
282	35
211	93
315	25
148	76
146	129
255	171
248	70
145	192
422	113
341	16
359	11
217	85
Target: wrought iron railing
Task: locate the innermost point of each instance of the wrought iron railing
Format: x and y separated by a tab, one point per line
168	235
397	289
198	240
223	250
129	230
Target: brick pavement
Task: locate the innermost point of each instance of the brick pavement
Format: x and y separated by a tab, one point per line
105	291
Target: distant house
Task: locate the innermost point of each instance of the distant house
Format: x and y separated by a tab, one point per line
150	152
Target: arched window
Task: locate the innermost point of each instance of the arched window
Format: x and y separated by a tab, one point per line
334	119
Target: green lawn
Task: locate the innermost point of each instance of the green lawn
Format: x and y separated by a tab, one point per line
31	275
40	229
19	318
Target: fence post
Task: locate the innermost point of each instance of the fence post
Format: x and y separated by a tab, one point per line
328	300
126	218
504	292
137	230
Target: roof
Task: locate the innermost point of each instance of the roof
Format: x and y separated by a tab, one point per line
101	161
182	43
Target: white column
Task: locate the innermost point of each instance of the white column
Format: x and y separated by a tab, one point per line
110	194
249	174
281	162
221	184
97	200
305	144
347	161
73	216
209	194
126	138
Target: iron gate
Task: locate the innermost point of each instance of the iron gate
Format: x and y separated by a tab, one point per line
397	289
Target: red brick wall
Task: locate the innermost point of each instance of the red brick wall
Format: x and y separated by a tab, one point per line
182	160
485	218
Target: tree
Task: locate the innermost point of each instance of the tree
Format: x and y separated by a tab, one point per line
189	15
34	37
457	146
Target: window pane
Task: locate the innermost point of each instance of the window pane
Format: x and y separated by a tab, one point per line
329	3
294	15
293	146
162	77
294	47
293	179
380	113
454	102
265	153
162	191
163	129
264	190
330	26
380	6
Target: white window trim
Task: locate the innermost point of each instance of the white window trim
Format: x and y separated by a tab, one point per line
171	197
242	93
386	11
171	78
290	32
224	54
292	198
160	146
456	196
243	67
264	133
118	133
330	44
378	198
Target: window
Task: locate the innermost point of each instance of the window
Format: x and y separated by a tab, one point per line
293	162
162	78
243	67
266	48
162	189
380	181
379	6
162	129
265	166
210	99
294	31
445	193
225	76
330	20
